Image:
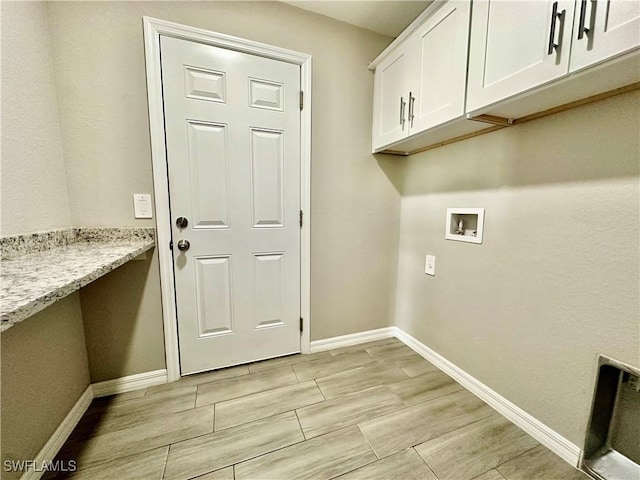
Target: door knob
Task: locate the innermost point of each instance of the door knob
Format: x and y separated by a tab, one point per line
182	222
183	245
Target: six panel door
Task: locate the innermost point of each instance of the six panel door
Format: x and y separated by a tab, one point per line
232	124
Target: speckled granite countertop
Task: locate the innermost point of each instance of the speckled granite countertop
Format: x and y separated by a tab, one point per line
40	269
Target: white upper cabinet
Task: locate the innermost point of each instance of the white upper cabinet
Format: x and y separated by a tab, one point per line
516	46
603	29
391	98
420	83
463	65
439	62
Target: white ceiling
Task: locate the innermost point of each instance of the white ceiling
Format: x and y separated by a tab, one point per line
386	17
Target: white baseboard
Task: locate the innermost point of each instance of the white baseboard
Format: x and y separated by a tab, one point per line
101	389
538	430
127	384
55	442
351	339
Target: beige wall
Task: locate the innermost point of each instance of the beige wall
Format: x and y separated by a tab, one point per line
556	280
100	78
121	312
44	373
34	191
43	359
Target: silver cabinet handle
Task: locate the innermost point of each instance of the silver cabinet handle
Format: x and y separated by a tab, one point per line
412	102
402	105
554	21
583	29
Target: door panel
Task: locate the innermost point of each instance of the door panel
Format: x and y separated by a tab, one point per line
204	84
270	289
505	60
214	295
391	98
609	28
208	169
267	184
264	94
441	67
233	156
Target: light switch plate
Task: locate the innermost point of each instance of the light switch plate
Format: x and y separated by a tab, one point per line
430	265
142	207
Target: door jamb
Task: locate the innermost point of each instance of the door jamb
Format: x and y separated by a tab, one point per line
153	28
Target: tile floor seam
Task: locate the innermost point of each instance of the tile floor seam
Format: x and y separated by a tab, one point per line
169	444
429	399
487	471
197	385
89	465
269	389
354	469
297	444
423	460
321	392
451	431
300	423
497	467
164	467
213	419
368	442
406	407
261	455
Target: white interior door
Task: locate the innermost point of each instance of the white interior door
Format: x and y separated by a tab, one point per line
232	123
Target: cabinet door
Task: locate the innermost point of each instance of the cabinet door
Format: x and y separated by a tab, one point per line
516	46
439	67
604	29
391	99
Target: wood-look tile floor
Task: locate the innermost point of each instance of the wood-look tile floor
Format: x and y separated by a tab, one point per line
372	411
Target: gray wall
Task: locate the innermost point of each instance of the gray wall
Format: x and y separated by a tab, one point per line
556	280
121	312
44	373
34	189
44	359
98	60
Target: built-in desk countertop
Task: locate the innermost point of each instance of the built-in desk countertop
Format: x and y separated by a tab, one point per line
42	268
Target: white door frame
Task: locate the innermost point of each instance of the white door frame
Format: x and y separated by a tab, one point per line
153	28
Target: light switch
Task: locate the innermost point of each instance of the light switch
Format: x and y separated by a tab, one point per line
430	265
142	205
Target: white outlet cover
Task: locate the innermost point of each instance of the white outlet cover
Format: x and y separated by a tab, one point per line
430	265
142	207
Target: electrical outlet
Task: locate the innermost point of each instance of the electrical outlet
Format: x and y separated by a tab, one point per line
430	265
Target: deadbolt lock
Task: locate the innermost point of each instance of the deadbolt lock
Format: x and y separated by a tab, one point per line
182	222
